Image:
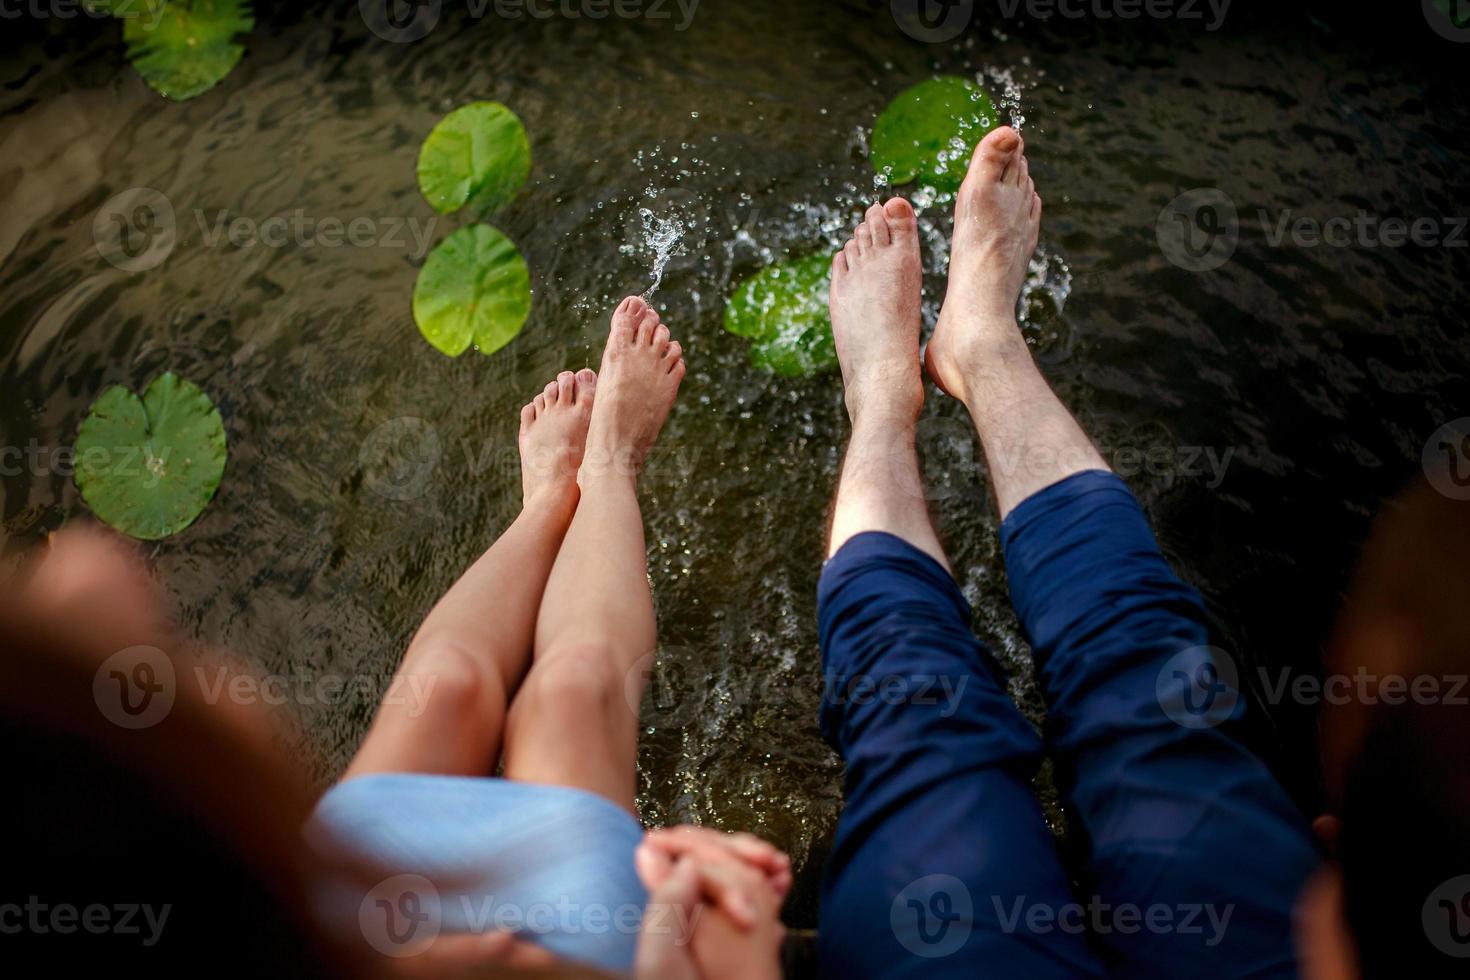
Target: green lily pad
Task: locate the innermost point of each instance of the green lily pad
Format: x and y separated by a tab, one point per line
474	288
783	308
929	132
150	466
184	47
478	154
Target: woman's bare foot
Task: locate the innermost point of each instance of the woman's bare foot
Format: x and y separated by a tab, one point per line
641	371
554	436
876	281
997	220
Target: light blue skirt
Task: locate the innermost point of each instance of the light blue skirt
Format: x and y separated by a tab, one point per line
552	864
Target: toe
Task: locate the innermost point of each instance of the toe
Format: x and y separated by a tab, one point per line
566	386
661	338
625	318
528	415
877	222
864	239
1020	173
839	263
900	216
646	326
586	385
540	402
551	392
850	252
994	154
1035	206
673	354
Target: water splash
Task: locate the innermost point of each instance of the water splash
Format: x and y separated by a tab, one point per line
662	236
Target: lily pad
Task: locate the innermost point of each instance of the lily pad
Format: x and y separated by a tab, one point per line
184	47
478	154
929	132
783	308
474	288
150	466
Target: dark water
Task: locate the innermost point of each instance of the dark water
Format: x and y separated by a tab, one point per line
1320	371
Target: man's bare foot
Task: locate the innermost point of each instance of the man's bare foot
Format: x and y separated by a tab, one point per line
640	375
876	281
997	220
554	436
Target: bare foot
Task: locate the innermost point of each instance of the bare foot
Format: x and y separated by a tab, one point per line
641	371
554	437
876	281
997	220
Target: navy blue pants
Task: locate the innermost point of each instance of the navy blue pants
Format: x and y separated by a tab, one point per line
1191	855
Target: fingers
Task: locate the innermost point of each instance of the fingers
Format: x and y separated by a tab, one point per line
712	845
679	841
663	953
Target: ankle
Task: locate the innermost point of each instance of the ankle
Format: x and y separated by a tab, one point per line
886	397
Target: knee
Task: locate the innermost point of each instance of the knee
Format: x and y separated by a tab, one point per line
573	689
447	679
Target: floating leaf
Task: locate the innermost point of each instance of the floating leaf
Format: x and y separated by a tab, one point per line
783	308
929	132
474	288
478	154
184	47
149	467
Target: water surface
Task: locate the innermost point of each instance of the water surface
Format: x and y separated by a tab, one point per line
1315	374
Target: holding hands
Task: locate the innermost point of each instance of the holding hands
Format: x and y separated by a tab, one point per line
714	905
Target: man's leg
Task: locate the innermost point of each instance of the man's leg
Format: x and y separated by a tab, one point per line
941	853
574	722
1194	854
446	708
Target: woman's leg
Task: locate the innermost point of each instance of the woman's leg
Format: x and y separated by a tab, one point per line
445	711
575	721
